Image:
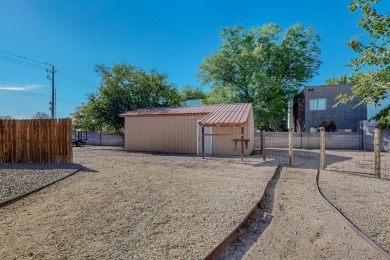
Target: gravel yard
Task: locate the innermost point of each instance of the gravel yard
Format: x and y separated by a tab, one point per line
153	206
363	200
134	206
17	179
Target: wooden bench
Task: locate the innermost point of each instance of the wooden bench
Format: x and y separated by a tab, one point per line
239	140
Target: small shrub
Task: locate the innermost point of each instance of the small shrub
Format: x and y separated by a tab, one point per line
329	126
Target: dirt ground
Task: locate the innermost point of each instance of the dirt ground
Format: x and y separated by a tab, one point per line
143	206
365	200
296	224
303	227
133	206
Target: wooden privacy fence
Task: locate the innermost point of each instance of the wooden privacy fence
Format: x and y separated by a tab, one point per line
36	141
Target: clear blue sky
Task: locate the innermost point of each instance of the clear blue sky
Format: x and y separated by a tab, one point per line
172	36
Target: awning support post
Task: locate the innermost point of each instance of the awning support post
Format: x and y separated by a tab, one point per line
202	142
242	143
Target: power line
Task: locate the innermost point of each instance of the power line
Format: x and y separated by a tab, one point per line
30	94
24	93
67	93
27	64
76	76
24	57
22	60
82	83
68	101
64	73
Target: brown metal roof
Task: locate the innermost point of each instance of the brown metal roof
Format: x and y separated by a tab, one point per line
221	115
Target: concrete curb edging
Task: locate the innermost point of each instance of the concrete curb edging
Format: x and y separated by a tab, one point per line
349	223
218	248
13	200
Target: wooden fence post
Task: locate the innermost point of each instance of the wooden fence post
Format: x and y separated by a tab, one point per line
263	144
377	152
322	148
290	146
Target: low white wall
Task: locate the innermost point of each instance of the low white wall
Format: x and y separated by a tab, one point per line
104	138
368	127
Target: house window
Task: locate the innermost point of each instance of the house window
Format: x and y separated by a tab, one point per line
318	104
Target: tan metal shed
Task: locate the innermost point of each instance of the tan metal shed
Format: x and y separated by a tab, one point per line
226	129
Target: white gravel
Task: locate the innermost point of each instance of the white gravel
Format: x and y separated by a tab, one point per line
363	200
17	179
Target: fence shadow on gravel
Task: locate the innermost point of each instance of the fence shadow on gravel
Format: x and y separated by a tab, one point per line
86	169
39	167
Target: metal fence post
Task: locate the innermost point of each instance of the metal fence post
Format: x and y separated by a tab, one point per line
377	152
322	148
290	146
263	144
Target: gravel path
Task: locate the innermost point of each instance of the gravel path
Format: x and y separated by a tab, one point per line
303	227
133	206
363	200
17	179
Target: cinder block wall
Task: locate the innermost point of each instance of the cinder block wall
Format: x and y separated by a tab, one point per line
363	139
368	127
305	140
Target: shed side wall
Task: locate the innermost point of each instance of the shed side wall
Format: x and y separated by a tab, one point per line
224	145
169	134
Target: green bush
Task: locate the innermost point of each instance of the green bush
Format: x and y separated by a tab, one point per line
329	126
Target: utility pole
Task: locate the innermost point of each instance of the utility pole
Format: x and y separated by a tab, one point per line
53	100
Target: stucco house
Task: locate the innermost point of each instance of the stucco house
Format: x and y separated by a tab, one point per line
316	104
226	129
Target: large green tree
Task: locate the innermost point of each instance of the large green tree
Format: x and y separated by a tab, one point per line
373	55
84	118
123	88
265	66
6	117
188	93
40	115
345	79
